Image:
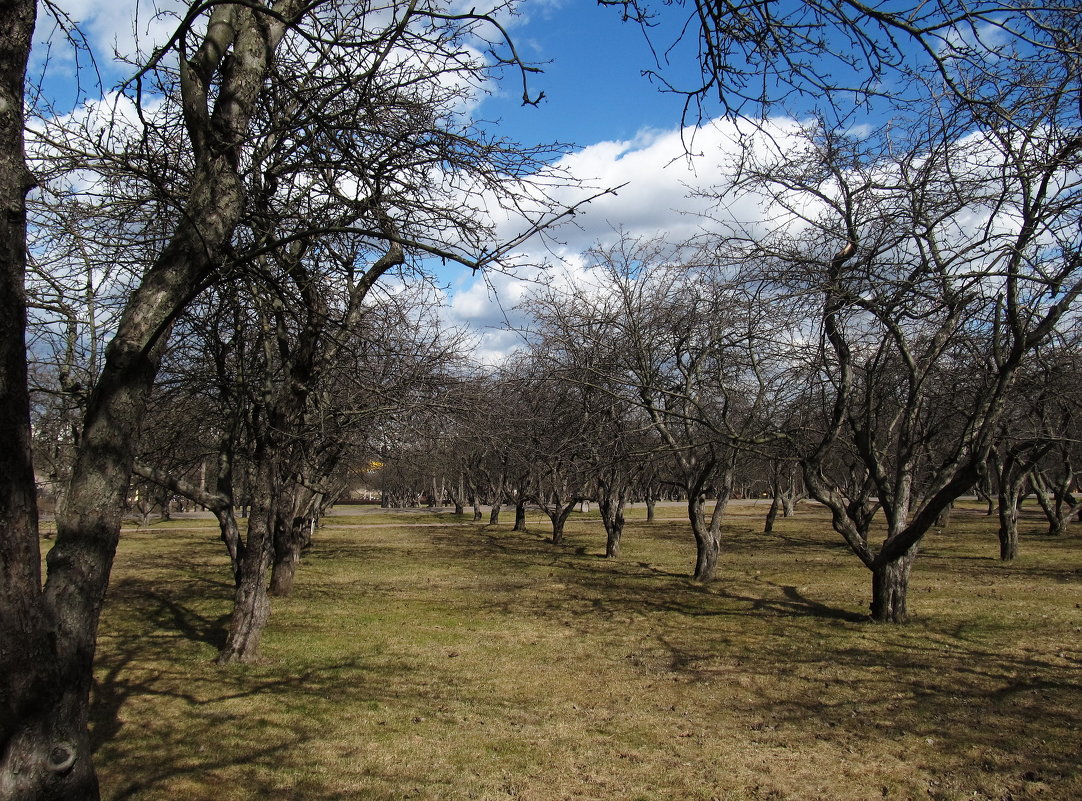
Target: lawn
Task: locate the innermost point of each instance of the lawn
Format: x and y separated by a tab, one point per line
467	661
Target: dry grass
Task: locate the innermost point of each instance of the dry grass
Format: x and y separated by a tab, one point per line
461	661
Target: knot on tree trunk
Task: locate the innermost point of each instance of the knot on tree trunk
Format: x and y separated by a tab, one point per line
61	759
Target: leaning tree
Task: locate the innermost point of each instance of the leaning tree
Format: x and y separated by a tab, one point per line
194	104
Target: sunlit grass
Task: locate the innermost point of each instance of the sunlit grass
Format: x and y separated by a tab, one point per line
466	661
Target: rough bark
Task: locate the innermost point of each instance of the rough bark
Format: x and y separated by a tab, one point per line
890	587
1008	525
288	538
1008	507
44	749
88	525
520	515
612	517
494	514
251	604
707	540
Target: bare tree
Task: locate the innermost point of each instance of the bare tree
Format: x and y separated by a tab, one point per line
940	261
218	73
664	332
755	57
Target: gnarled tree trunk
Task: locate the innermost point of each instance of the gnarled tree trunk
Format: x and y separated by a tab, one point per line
707	539
890	587
612	517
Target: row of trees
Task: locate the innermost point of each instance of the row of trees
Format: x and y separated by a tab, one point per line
211	241
224	263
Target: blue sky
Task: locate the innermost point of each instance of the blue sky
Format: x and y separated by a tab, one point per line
592	79
624	129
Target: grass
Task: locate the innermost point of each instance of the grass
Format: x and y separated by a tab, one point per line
463	661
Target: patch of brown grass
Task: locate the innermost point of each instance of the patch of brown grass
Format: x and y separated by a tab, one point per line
469	661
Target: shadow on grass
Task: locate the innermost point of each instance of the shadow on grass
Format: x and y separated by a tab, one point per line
778	662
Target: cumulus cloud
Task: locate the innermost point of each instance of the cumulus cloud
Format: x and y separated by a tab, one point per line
665	184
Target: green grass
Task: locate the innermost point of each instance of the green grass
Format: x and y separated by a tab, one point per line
471	662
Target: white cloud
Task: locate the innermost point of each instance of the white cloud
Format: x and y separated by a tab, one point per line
665	179
116	30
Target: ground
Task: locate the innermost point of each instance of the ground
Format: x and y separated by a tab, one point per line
424	656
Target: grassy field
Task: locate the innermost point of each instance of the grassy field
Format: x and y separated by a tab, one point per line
460	661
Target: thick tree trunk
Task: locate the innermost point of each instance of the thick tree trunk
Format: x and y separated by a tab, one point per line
557	530
251	604
45	677
651	503
1008	526
890	585
707	543
612	516
520	516
289	538
494	514
48	757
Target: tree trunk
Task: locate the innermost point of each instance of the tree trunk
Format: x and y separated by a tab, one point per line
558	514
251	605
890	585
289	537
944	517
520	516
771	514
1056	502
651	503
612	516
230	534
1008	525
789	503
45	676
494	514
707	544
558	529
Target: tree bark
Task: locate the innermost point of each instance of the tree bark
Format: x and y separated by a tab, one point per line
45	753
771	514
612	516
494	514
558	514
890	586
289	537
520	516
707	544
1008	524
251	604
